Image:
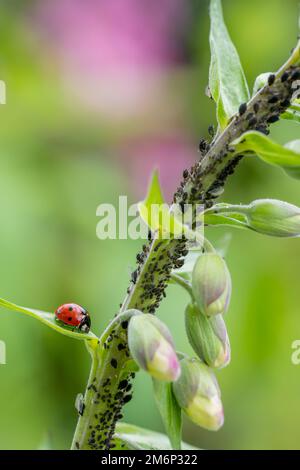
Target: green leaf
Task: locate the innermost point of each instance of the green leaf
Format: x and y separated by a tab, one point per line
291	115
227	80
159	216
154	195
137	438
169	410
293	112
49	320
287	157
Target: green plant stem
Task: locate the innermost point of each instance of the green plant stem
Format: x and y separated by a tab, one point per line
103	402
104	398
183	283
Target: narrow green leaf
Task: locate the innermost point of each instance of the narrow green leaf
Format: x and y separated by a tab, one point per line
287	157
169	410
154	195
158	215
227	80
137	438
48	319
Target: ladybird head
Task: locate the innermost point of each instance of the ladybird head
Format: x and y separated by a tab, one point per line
85	323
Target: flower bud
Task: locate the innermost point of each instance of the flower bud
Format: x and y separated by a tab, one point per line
198	394
151	346
275	218
208	337
211	284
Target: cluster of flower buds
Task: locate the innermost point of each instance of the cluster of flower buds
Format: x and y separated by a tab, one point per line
198	394
205	327
151	346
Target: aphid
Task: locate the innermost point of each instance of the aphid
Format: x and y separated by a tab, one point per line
273	119
273	99
208	93
262	129
253	122
211	130
271	79
296	75
127	398
79	404
286	103
185	174
114	363
242	109
75	316
139	257
216	191
202	146
134	276
123	384
284	77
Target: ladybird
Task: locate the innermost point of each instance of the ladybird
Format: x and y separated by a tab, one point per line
74	316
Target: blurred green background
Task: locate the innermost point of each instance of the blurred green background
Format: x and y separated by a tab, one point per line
98	93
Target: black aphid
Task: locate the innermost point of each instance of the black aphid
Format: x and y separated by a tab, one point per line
284	77
114	363
242	109
271	79
273	99
273	119
134	276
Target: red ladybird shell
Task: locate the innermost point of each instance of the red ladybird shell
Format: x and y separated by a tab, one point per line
73	315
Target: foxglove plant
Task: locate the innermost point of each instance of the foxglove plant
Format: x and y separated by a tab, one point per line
135	338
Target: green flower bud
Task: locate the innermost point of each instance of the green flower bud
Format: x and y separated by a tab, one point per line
211	284
198	394
151	346
273	217
208	337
